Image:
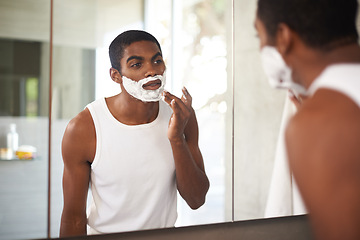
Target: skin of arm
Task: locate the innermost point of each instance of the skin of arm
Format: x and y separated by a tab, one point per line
78	150
183	134
323	149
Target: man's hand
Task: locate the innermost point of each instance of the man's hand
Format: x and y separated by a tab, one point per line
183	134
297	100
182	112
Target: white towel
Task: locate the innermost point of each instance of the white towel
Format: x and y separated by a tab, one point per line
284	198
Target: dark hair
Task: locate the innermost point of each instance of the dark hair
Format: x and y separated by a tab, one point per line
319	23
118	45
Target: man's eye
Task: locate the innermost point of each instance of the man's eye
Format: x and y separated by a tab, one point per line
158	61
135	65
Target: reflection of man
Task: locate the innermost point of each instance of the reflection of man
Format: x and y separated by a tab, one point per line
318	42
135	149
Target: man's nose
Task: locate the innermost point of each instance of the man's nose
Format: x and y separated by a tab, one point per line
150	71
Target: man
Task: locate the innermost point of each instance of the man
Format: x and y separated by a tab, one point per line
134	149
314	49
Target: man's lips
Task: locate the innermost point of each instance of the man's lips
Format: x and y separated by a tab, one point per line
152	85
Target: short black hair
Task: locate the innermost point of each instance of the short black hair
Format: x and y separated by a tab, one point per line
319	23
118	45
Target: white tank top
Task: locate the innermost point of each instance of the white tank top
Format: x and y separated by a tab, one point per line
344	78
132	175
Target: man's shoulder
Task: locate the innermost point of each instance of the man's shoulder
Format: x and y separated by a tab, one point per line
84	119
323	137
79	139
325	120
81	124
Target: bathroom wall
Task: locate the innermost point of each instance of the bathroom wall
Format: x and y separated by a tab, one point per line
257	115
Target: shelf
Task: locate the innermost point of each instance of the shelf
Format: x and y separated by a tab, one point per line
17	159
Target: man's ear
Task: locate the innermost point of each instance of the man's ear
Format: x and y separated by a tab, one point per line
115	75
284	39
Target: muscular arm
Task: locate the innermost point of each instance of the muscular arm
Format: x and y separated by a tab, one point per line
78	148
191	178
324	155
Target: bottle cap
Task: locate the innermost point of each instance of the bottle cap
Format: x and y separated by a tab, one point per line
13	127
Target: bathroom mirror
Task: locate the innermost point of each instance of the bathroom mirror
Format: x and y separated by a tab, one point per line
195	37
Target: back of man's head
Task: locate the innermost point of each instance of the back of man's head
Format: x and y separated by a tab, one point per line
321	24
118	45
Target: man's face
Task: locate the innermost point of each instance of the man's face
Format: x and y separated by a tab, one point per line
279	74
143	59
262	34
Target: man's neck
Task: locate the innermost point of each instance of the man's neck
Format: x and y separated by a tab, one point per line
310	63
131	111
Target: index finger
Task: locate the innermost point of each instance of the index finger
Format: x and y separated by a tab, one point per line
168	97
186	97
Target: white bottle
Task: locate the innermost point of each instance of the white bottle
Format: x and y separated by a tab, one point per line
12	141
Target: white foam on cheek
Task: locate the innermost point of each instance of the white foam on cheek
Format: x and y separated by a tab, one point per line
278	73
135	88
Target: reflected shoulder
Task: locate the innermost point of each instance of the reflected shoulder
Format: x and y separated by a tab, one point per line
80	124
79	137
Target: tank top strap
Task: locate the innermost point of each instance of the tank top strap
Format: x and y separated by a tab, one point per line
344	78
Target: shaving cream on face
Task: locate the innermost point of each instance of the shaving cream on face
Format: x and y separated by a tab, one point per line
278	73
135	88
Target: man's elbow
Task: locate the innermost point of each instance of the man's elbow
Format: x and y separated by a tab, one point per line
196	203
72	225
199	200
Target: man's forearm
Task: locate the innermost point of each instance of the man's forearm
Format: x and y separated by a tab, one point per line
192	181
